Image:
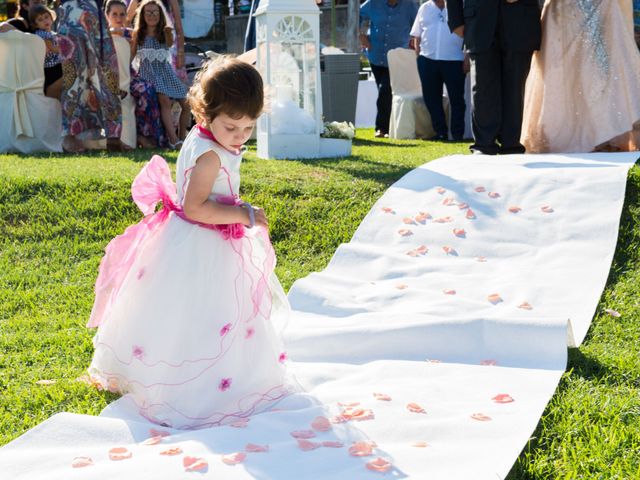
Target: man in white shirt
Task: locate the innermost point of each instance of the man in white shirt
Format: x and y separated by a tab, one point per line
440	61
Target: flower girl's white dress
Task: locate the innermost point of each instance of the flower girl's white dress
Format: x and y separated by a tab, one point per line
188	315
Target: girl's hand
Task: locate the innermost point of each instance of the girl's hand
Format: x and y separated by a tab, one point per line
261	218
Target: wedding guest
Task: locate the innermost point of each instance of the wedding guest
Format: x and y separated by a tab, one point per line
440	62
500	36
582	93
384	25
90	91
21	20
42	19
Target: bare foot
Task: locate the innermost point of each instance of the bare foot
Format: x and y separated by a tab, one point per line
145	142
116	145
71	144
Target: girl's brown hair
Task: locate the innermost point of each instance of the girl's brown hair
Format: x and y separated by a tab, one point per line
226	85
163	29
37	10
112	3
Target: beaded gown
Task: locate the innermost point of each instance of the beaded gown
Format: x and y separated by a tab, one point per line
582	91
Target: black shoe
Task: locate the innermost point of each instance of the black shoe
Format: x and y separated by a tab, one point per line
484	150
440	137
511	150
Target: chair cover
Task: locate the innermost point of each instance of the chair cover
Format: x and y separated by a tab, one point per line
29	121
409	115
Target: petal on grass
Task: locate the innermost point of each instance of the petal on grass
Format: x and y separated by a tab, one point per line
612	312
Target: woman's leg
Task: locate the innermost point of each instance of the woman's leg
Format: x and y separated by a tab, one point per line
167	120
185	119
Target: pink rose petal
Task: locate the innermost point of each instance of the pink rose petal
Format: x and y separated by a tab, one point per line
422	217
253	448
470	214
158	433
321	424
525	306
415	408
515	209
502	398
119	453
306	445
440	190
332	444
80	462
234	458
494	298
494	195
449	201
612	312
546	209
388	210
405	232
408	221
481	259
339	419
242	423
361	449
480	189
443	220
433	360
194	464
152	440
382	397
449	251
303	434
171	451
401	286
449	291
358	414
489	362
459	232
379	465
420	445
348	404
481	417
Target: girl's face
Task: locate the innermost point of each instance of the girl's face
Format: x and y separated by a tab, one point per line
151	14
44	22
117	16
232	133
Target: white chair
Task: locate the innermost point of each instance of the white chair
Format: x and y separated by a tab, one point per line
29	121
409	115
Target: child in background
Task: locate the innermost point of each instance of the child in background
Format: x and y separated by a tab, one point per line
41	19
187	301
116	13
152	39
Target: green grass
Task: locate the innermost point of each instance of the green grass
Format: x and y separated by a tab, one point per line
57	214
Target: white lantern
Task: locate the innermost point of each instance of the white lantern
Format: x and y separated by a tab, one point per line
288	58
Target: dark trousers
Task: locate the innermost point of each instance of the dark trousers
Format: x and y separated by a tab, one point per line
498	80
383	82
433	74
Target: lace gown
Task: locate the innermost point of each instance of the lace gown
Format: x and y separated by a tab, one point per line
582	91
188	314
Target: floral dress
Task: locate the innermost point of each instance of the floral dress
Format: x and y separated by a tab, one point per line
90	93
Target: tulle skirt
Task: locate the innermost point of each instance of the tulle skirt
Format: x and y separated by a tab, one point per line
582	91
192	336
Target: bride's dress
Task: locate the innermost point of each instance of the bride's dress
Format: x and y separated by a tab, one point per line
583	88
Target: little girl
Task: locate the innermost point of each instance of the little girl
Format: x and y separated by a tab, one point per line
152	39
42	19
186	300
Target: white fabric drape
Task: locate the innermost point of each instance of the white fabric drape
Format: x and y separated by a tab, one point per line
29	121
123	51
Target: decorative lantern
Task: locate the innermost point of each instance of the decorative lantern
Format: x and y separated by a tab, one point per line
287	50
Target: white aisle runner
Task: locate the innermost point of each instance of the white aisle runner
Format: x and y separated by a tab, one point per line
437	336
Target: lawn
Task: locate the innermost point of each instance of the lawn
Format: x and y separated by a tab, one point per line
57	214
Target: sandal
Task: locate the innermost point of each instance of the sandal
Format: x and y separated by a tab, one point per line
175	146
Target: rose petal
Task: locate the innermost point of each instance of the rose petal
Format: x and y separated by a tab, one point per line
253	448
503	398
152	440
488	362
420	444
303	434
339	419
448	201
240	423
494	298
405	232
440	190
171	451
80	462
332	444
515	209
443	220
462	206
422	249
415	408
525	306
358	414
321	424
494	194
613	313
408	221
480	189
158	433
481	417
449	291
422	217
193	464
306	445
401	286
379	465
361	449
433	360
382	397
387	210
234	458
450	251
119	453
459	232
45	382
470	214
348	404
546	209
481	259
